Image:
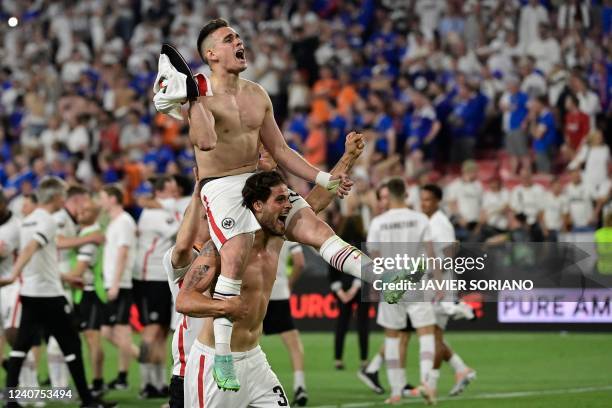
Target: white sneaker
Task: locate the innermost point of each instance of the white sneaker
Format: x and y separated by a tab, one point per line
463	380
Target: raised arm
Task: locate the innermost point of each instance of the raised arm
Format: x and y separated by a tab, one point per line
274	142
319	198
201	125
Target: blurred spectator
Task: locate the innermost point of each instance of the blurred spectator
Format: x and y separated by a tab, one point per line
513	104
531	16
544	133
526	198
555	208
464	199
575	129
593	158
134	134
494	213
580	199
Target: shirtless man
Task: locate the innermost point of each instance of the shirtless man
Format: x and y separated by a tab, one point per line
227	129
267	195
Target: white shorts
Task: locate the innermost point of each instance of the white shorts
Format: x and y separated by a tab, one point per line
227	217
393	316
10	305
441	316
259	386
182	340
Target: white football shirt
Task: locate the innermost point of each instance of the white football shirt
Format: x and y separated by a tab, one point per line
120	232
157	230
9	236
280	290
66	227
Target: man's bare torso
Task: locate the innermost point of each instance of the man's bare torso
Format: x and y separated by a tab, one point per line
238	120
257	282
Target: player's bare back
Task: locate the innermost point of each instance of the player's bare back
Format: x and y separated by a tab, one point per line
238	120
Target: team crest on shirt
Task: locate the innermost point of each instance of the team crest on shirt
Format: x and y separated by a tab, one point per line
153	316
169	220
228	223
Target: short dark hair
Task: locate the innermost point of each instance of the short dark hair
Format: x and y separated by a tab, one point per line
208	29
379	189
573	98
3	199
160	182
76	189
114	191
433	189
32	197
258	187
397	187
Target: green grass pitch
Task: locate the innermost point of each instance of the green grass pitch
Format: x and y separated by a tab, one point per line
514	369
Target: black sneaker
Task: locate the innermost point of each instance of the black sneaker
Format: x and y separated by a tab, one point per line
371	381
300	397
407	391
339	365
164	391
118	384
150	392
97	390
98	403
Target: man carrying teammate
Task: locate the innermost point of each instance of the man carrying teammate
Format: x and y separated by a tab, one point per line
267	194
157	229
226	129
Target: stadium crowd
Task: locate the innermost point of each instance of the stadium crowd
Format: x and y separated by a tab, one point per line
516	85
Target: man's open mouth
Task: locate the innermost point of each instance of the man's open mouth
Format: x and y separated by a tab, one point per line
240	55
282	218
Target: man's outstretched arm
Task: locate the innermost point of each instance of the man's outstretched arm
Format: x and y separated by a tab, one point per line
274	142
319	198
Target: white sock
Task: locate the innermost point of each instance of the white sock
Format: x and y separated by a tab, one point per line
29	374
375	364
58	371
432	379
146	374
394	371
427	349
222	327
160	375
343	256
298	380
457	363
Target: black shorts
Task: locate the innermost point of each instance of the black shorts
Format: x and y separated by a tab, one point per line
278	317
90	312
177	394
154	302
118	310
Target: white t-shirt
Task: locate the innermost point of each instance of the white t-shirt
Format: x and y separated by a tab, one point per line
188	327
595	159
414	197
41	276
527	200
66	227
157	230
494	203
554	209
468	195
9	236
120	232
398	226
580	203
442	232
280	290
89	253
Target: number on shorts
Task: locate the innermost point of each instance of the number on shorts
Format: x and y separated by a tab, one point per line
279	390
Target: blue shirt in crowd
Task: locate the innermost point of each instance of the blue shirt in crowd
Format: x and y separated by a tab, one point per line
549	139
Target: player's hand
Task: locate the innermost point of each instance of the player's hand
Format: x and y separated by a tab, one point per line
73	280
112	293
344	185
266	161
354	144
234	308
96	238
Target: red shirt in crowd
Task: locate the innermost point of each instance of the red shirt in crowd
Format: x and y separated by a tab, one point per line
577	126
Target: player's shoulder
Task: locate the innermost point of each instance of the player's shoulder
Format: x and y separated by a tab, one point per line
253	87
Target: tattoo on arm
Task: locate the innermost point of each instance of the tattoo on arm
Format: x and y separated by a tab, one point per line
208	249
198	273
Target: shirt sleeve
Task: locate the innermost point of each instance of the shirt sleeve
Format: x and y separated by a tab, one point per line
127	233
295	248
45	230
87	253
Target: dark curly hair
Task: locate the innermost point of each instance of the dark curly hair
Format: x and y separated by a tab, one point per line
258	187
